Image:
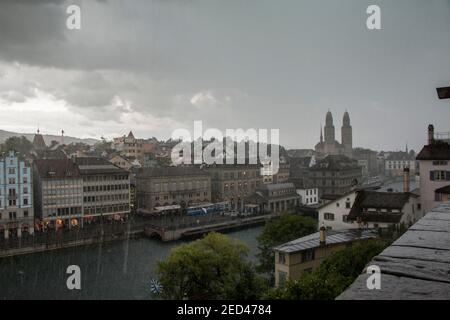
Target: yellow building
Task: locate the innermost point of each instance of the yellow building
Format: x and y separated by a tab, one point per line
303	255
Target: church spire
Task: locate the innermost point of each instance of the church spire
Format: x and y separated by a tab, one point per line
321	135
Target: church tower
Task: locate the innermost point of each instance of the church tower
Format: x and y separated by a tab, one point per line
321	136
329	129
346	135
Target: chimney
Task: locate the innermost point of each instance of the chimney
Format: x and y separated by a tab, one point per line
406	180
323	235
430	134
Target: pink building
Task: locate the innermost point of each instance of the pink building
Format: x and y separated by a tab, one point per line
434	164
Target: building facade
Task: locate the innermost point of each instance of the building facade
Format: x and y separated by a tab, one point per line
373	209
129	146
274	198
184	186
334	176
234	182
304	255
334	214
16	197
434	164
106	188
396	162
58	192
309	197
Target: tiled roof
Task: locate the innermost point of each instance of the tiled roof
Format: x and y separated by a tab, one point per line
56	168
436	151
332	237
378	200
38	142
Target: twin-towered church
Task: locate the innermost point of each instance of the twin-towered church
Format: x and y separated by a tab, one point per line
330	146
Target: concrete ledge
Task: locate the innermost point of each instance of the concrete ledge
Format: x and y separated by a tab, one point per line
415	267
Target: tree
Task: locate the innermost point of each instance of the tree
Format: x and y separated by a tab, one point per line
214	267
333	276
277	231
21	145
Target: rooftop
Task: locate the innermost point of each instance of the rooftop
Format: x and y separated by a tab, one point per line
333	237
96	165
335	162
379	200
438	150
57	168
415	267
444	190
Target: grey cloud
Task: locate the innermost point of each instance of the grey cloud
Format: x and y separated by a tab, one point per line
283	64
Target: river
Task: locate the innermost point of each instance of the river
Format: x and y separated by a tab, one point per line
116	270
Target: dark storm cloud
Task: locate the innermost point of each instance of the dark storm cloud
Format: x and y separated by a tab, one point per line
237	63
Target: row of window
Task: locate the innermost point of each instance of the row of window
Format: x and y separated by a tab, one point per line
330	217
62	191
312	200
106	197
107	209
440	162
439	175
13	170
64	211
240	186
13	202
174	196
13	215
310	192
240	175
105	178
175	186
12	191
107	187
14	180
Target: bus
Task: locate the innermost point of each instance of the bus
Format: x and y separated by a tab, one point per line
208	208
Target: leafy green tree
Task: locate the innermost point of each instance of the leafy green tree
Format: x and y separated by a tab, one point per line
282	229
333	276
214	267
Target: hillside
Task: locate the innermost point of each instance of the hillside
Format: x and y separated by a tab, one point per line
47	138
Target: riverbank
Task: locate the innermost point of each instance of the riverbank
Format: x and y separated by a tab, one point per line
43	247
161	229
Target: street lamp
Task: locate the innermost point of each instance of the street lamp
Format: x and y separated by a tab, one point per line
443	92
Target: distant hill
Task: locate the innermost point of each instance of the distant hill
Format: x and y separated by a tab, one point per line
47	138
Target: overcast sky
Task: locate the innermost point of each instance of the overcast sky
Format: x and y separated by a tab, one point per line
157	65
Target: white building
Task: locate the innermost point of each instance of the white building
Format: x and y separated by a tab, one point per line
372	209
16	197
396	162
334	214
309	196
